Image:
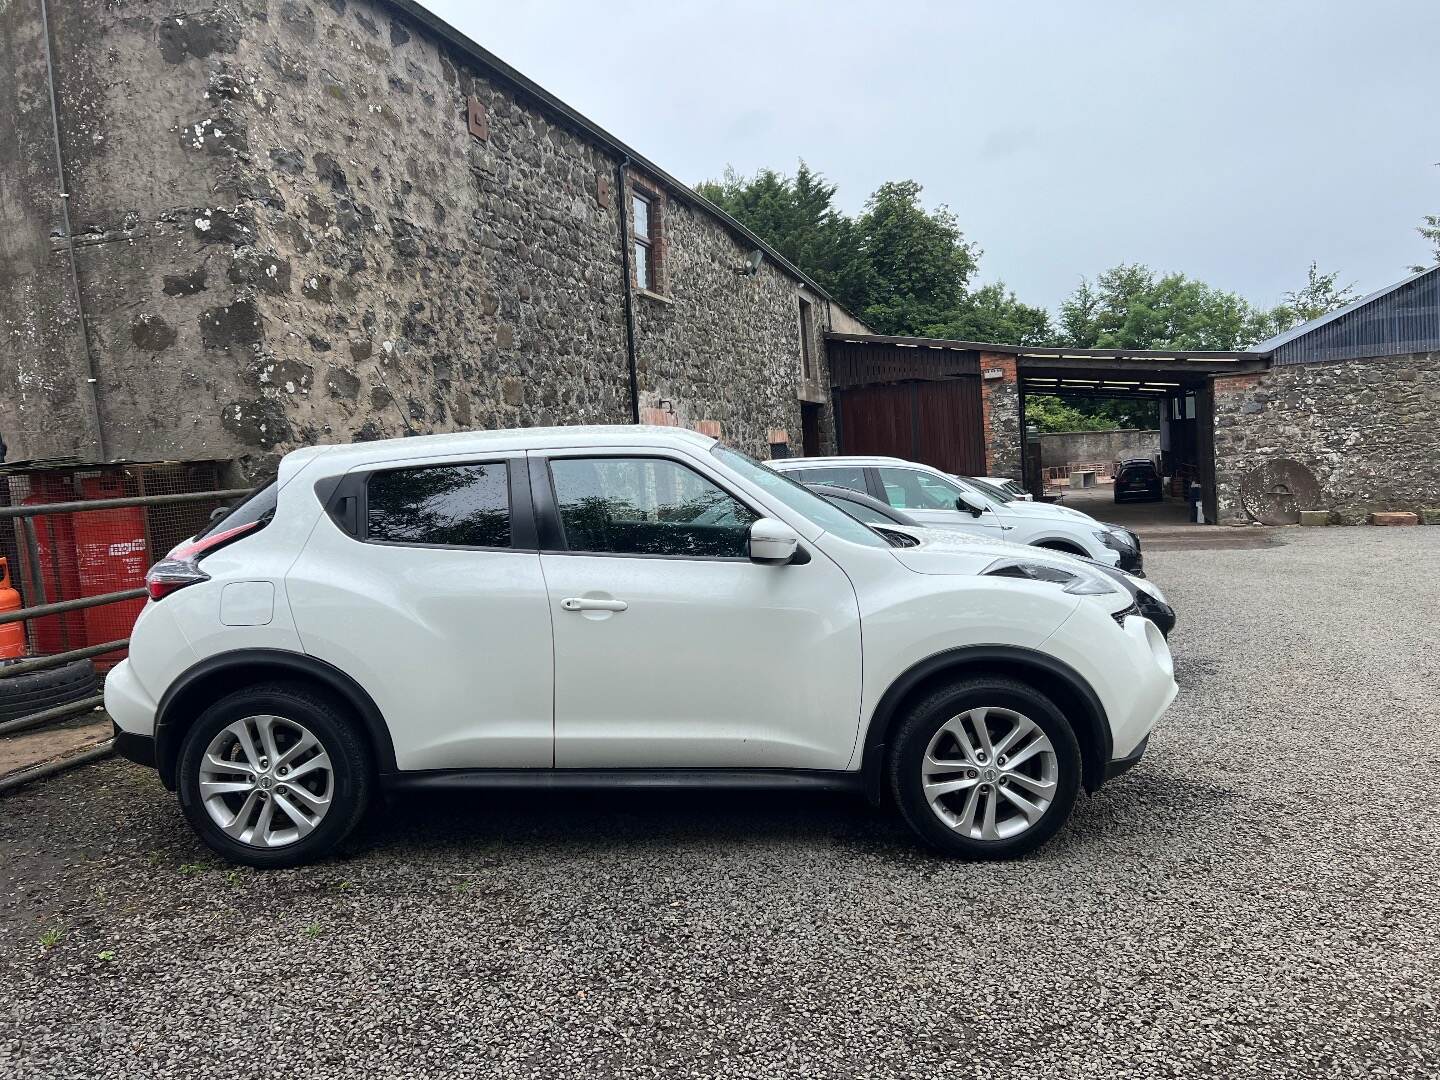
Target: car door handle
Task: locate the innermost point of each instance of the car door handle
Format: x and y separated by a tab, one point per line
580	603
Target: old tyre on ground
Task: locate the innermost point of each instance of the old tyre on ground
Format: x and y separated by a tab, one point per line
985	768
24	695
274	775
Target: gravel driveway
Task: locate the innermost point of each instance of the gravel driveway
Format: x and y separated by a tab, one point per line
1259	898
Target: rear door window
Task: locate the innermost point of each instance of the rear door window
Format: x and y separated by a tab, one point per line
441	505
846	476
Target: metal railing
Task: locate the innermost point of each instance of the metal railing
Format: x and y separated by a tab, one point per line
32	584
1061	473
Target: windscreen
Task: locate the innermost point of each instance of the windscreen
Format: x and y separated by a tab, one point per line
799	498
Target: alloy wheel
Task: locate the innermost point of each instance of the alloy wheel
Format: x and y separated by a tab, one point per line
266	781
990	773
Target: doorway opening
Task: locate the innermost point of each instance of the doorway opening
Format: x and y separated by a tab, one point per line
810	429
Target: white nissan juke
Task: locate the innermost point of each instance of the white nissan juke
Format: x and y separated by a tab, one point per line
611	606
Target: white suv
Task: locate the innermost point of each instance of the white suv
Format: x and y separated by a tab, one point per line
942	500
597	607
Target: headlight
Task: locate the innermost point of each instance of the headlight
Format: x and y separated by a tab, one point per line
1072	581
1116	538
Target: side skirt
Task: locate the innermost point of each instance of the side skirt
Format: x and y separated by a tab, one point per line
609	779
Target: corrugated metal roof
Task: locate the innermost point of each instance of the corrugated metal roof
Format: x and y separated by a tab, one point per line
1305	328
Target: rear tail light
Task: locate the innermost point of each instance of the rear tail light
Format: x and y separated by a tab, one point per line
182	566
168	575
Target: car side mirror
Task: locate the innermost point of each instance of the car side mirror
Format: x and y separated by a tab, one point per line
963	503
773	541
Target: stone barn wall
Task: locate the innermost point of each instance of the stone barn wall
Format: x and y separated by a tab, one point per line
1368	430
304	222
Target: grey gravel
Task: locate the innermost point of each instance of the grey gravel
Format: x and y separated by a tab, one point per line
1258	898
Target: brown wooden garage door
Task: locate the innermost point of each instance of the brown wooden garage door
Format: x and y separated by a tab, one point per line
938	423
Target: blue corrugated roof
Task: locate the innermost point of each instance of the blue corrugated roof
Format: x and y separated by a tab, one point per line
1304	328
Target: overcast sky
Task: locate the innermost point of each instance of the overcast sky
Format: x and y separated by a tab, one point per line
1234	142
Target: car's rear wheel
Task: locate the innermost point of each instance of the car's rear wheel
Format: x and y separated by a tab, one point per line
273	775
985	768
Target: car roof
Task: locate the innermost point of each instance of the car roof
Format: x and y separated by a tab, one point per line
505	440
856	459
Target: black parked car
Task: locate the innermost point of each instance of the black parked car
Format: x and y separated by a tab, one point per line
1138	479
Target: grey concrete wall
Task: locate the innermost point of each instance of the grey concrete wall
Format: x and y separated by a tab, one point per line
46	407
1367	430
286	233
1065	447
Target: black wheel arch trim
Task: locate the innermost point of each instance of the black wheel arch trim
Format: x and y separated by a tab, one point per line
979	659
169	727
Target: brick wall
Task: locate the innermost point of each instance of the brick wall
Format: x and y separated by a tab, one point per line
1000	408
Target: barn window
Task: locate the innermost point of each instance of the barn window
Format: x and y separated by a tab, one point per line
644	224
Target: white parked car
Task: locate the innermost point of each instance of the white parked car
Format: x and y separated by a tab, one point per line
598	607
901	529
937	498
1013	488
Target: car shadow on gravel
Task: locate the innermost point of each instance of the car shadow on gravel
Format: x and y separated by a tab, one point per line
572	822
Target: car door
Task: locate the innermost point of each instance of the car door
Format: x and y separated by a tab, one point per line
931	500
672	648
423	583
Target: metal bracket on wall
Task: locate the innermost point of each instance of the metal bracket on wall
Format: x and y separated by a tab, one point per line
478	120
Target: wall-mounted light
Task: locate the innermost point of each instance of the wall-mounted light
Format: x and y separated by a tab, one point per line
752	264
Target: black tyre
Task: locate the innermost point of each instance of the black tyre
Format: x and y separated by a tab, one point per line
986	768
274	775
24	695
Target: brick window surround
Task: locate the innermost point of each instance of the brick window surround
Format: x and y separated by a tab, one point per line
647	256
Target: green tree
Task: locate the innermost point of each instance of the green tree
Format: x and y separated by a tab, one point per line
1318	296
1430	230
1131	307
795	216
916	262
994	313
1050	412
898	266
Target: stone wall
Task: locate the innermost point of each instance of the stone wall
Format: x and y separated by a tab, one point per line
1067	447
302	222
1368	430
1000	408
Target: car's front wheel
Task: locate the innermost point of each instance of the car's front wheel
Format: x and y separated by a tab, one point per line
273	775
985	768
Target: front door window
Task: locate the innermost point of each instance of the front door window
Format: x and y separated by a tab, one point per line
647	506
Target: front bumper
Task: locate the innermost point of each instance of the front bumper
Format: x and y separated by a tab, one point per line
1117	766
1157	611
1133	560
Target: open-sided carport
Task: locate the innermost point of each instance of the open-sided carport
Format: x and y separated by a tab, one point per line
1180	382
960	405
